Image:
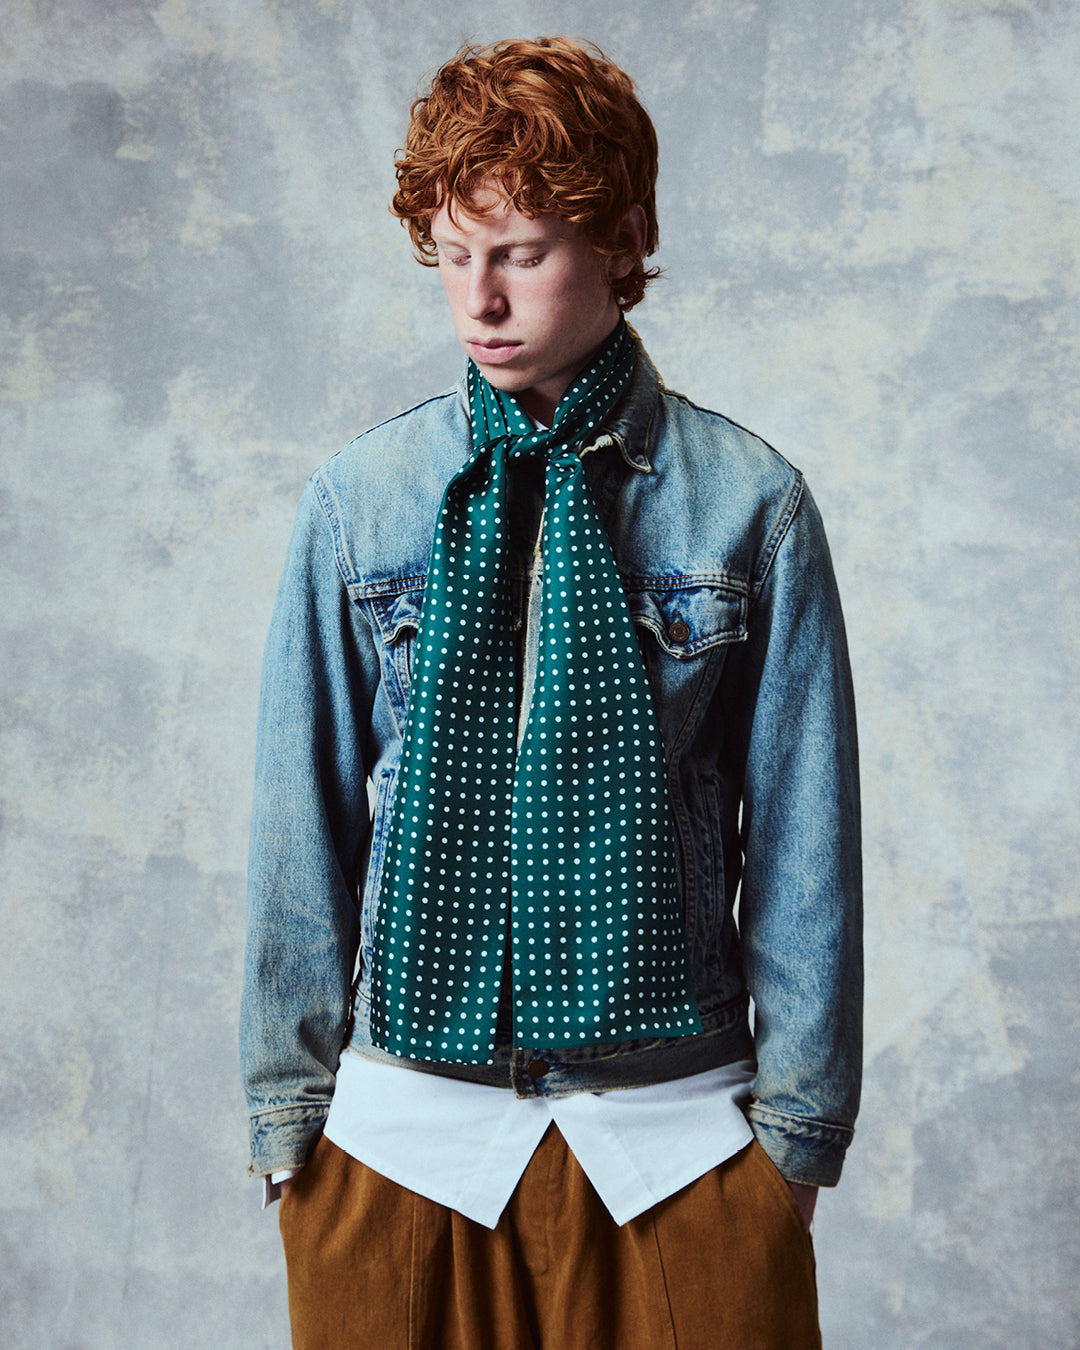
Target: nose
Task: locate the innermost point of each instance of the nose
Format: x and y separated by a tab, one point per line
485	298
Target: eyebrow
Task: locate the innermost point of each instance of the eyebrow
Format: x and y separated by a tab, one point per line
463	241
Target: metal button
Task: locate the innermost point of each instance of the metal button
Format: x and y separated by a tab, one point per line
678	631
536	1068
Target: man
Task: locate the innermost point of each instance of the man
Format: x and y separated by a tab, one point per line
584	640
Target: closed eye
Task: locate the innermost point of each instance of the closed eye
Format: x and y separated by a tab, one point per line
507	259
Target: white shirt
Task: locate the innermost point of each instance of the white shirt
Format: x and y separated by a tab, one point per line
466	1145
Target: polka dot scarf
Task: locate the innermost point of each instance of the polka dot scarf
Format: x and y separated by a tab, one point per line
566	845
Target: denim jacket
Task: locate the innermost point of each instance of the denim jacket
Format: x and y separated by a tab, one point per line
730	586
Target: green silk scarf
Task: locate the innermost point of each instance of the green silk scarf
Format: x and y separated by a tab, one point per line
566	842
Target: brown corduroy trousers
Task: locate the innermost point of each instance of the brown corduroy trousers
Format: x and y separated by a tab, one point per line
724	1264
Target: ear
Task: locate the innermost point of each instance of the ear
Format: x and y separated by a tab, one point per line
632	236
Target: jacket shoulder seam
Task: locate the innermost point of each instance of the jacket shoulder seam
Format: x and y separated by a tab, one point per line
792	500
328	505
322	486
388	421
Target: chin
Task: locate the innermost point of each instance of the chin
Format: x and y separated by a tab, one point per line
508	381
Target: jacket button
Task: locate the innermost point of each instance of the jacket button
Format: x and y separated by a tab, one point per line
536	1068
678	631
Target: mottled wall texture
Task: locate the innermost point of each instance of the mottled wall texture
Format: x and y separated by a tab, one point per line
871	234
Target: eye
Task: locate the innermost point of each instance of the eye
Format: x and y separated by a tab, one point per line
532	260
454	259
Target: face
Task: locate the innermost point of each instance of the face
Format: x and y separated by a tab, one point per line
530	299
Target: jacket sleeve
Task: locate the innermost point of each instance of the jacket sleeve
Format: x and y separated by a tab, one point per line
800	908
308	831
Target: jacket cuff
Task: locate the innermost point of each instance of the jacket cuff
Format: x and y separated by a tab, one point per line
283	1136
803	1150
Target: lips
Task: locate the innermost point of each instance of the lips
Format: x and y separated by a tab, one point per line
492	351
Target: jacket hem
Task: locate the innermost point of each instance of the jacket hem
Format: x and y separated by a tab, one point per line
544	1071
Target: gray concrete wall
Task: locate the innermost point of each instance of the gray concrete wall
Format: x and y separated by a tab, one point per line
872	242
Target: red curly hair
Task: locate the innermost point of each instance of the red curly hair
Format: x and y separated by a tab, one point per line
551	122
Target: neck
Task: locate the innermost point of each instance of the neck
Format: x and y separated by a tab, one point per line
540	405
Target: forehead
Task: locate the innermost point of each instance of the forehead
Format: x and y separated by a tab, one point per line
501	222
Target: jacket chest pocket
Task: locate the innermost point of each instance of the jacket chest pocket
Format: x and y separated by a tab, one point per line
688	619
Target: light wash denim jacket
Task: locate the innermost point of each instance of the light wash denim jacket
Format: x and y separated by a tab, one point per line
730	585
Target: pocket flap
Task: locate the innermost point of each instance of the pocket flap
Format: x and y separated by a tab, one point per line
397	613
689	618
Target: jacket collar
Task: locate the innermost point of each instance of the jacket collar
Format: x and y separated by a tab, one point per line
630	422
